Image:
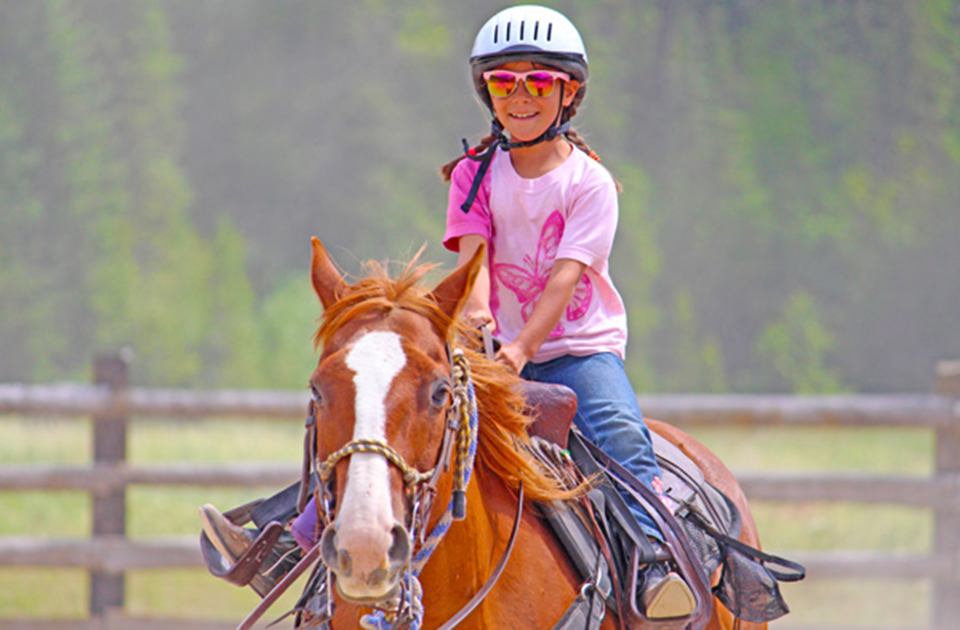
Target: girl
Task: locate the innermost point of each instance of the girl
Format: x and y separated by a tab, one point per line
537	197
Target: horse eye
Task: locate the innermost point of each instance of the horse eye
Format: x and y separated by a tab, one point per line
441	392
317	396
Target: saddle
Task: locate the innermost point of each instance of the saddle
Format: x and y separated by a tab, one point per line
607	546
600	533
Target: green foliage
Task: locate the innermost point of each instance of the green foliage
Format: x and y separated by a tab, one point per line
163	163
699	359
234	341
635	262
422	30
797	346
288	319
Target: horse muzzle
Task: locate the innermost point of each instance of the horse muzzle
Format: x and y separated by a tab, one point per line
367	561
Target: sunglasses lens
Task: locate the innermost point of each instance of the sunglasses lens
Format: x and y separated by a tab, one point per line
501	85
540	83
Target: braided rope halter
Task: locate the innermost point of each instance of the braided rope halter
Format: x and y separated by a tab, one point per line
406	609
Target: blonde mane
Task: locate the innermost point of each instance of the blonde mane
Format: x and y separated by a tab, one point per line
500	403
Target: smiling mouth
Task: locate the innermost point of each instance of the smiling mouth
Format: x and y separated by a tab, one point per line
523	116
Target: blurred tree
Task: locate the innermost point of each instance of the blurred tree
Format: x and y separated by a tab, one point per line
288	318
233	348
789	172
104	254
797	346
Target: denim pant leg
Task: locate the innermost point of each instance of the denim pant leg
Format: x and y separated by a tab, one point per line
608	415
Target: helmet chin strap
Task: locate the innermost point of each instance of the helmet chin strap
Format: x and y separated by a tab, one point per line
504	143
555	130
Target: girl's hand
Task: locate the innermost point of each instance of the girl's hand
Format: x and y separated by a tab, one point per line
478	317
513	356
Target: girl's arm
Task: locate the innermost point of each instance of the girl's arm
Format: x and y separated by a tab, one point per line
477	311
546	314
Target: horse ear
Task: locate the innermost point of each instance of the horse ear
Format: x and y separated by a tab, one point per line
326	278
452	292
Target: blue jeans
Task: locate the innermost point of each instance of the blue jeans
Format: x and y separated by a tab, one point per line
608	415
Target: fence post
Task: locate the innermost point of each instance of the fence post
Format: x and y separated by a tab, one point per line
946	592
109	508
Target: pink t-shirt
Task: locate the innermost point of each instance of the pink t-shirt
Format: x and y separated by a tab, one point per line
571	212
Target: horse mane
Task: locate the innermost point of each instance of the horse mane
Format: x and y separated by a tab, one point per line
500	403
503	429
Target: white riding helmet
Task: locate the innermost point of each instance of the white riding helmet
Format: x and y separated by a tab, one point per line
531	33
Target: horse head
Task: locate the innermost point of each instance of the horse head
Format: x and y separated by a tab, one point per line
382	396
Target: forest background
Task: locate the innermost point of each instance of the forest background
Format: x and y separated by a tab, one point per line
789	220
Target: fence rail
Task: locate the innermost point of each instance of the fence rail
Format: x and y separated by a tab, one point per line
71	399
108	554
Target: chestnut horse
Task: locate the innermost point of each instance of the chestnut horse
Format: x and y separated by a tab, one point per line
383	391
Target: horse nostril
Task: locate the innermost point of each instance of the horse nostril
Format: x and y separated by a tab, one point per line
399	552
337	560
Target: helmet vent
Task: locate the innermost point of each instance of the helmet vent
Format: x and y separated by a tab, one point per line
526	32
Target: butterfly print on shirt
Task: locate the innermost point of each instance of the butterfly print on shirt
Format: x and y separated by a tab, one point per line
528	282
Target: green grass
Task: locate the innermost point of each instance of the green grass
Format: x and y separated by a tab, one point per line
786	527
189	593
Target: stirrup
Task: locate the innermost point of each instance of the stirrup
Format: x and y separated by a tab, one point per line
669	598
253	558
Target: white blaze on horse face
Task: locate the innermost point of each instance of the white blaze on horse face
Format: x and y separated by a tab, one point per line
376	359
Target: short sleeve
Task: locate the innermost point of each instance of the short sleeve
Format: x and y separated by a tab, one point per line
591	222
477	220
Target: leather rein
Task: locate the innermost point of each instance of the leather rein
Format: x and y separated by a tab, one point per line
420	487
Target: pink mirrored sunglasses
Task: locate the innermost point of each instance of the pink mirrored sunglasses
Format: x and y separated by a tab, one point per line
539	83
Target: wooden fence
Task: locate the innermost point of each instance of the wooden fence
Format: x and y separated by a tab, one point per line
112	404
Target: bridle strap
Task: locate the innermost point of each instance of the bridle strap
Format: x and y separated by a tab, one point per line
411	476
416	482
309	455
420	486
497	571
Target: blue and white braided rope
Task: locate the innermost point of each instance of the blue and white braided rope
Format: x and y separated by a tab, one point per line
413	591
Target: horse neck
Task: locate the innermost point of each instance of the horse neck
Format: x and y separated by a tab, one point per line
465	549
468	554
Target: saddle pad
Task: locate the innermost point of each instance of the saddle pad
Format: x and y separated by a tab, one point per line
684	482
681	476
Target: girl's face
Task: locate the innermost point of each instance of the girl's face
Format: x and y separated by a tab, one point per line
525	116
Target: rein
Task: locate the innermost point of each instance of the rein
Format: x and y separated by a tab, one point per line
462	425
406	611
462	429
